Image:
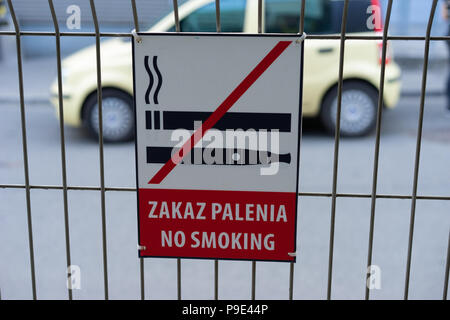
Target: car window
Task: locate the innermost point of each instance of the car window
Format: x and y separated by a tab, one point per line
283	16
321	16
2	9
232	14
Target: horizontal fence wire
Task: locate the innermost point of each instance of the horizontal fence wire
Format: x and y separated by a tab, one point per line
102	188
309	37
300	194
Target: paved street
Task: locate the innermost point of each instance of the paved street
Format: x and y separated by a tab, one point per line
352	217
355	176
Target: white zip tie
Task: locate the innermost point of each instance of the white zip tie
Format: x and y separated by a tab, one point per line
139	247
136	36
292	254
302	37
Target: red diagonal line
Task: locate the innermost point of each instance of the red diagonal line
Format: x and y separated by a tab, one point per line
220	111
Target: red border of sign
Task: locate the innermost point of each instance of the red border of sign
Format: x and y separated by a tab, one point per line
248	231
205	34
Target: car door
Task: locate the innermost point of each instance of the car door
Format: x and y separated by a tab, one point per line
203	19
283	16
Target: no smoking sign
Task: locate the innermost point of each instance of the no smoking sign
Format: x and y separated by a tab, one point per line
217	145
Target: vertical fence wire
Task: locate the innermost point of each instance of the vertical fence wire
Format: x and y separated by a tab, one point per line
377	142
62	138
253	297
216	279
260	26
336	148
24	148
292	265
218	27
141	260
135	15
178	278
418	147
101	153
142	277
291	281
302	17
175	15
260	16
216	262
447	270
177	29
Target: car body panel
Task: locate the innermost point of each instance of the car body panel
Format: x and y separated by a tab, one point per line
361	62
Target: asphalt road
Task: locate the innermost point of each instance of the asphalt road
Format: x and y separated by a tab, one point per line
396	169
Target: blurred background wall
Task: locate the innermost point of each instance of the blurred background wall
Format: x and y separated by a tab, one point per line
409	17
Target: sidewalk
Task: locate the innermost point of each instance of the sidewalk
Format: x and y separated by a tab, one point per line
437	74
410	56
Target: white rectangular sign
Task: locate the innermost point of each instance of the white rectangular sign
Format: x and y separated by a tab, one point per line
217	144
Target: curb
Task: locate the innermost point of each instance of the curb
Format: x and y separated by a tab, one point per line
434	93
417	62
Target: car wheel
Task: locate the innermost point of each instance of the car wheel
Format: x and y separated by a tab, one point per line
118	115
358	109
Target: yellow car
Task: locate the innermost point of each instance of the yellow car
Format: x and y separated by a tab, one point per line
2	12
361	67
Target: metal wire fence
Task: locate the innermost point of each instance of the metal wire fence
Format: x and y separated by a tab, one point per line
342	37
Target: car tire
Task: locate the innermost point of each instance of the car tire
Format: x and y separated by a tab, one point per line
358	109
118	115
